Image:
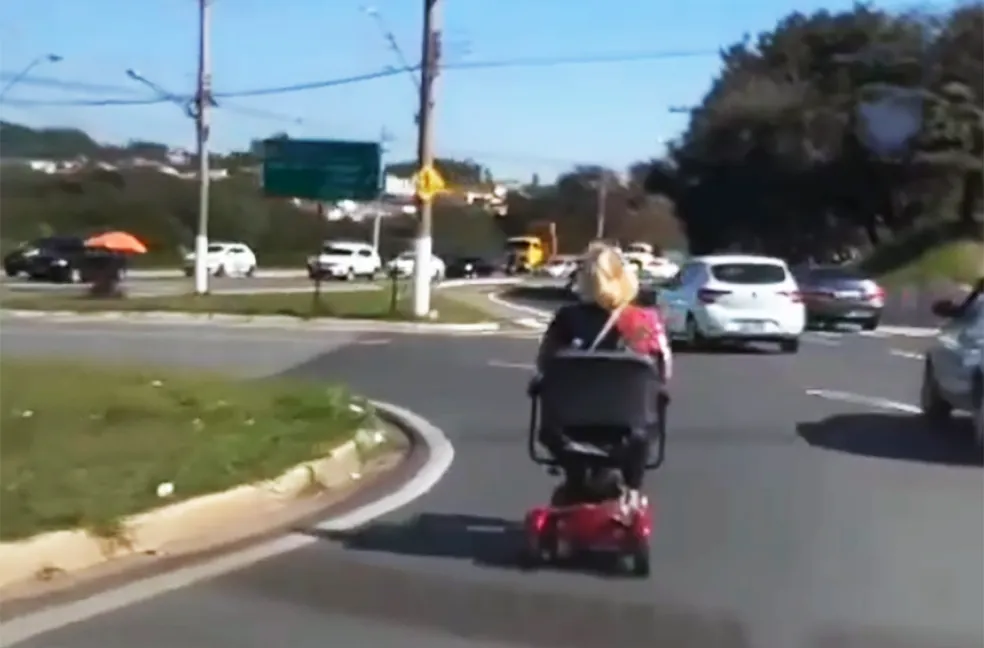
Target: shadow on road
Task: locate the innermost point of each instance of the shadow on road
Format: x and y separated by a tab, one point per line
483	540
895	436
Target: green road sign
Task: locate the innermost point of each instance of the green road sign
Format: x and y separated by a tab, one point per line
321	169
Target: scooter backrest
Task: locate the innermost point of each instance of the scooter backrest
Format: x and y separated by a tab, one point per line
599	388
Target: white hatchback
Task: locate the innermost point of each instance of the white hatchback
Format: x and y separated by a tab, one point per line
344	260
403	266
738	298
225	259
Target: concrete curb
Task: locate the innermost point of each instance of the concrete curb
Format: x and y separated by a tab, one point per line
259	321
195	518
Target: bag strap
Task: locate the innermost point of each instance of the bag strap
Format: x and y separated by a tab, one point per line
612	319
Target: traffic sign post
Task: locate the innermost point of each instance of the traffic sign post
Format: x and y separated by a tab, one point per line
326	170
428	183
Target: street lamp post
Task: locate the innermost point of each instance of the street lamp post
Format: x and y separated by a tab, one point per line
17	78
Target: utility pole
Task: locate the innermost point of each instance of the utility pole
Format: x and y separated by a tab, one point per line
429	60
203	101
602	204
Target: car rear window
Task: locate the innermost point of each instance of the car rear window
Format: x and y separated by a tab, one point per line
337	251
833	274
749	273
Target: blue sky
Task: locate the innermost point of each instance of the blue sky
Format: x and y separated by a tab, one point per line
515	120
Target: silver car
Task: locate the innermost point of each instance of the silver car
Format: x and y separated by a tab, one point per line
953	373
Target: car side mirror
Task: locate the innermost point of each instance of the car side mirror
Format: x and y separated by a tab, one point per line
945	308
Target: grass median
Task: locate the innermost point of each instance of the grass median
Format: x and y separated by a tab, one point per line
85	445
369	304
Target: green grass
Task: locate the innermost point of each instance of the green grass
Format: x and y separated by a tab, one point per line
374	305
85	445
947	252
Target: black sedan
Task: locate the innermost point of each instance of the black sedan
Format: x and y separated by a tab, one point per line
469	267
836	294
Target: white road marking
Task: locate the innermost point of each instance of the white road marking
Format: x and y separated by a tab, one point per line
910	355
861	399
532	323
502	364
439	457
374	342
902	331
520	308
822	341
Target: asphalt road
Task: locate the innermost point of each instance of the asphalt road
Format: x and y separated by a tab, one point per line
784	519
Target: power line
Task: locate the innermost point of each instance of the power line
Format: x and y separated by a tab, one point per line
218	95
529	62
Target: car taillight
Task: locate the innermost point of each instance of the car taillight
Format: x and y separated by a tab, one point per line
875	293
793	295
708	295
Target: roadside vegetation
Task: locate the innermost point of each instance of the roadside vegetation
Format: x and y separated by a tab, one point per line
87	444
362	304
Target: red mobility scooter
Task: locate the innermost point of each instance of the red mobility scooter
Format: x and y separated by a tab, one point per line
591	402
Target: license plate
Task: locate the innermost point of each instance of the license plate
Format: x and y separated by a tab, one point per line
857	314
847	294
752	327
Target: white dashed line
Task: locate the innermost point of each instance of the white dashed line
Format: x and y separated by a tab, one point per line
909	355
861	399
502	364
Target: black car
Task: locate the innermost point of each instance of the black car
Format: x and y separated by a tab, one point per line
468	267
53	258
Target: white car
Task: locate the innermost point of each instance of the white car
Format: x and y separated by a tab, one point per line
225	259
559	268
344	260
403	266
658	270
734	298
953	372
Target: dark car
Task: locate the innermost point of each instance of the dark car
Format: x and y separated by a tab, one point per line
53	258
835	294
469	266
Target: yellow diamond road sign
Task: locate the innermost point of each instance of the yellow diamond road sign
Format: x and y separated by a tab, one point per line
428	182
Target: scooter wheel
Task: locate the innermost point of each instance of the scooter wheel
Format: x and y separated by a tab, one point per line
640	560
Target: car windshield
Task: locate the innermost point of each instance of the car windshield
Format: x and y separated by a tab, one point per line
519	244
334	250
749	273
216	248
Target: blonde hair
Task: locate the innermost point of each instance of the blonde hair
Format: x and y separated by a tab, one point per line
605	279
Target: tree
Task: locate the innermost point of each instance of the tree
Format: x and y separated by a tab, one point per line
778	157
18	141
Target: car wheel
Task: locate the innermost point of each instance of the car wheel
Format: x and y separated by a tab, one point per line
870	325
789	346
11	272
350	275
74	276
691	334
934	407
220	271
251	271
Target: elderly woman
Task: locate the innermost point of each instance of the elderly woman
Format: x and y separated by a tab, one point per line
607	320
